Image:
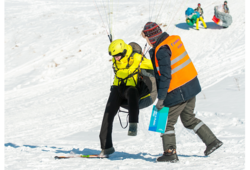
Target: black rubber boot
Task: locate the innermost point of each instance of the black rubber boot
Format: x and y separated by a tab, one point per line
168	140
168	156
213	146
206	134
107	152
132	130
209	139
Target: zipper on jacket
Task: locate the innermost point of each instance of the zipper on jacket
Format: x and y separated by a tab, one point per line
182	95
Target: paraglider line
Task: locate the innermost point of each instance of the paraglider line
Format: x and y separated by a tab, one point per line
163	10
152	11
179	17
102	21
175	15
106	15
159	10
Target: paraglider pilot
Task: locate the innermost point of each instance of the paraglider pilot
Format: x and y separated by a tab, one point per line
124	89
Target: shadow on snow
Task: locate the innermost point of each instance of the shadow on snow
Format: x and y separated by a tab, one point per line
29	146
210	25
115	156
192	156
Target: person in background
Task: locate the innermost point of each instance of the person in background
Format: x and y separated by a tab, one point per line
200	10
225	7
201	17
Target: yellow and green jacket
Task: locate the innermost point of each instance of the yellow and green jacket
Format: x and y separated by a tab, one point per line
129	65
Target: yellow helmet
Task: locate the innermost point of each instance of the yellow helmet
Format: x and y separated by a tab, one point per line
118	47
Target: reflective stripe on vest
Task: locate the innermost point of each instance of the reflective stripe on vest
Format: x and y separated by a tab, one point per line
182	68
158	70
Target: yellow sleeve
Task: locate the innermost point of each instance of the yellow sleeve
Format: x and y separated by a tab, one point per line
126	72
114	65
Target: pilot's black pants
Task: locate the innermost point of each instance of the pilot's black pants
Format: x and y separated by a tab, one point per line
118	95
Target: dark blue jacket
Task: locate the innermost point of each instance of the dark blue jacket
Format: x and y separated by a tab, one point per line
179	95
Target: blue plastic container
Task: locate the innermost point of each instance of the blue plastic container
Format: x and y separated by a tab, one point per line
158	120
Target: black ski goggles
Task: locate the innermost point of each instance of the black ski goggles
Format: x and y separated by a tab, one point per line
119	54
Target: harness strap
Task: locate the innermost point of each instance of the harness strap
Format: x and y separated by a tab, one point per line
120	119
122	80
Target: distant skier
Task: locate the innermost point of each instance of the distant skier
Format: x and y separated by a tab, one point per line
200	10
225	7
126	65
177	86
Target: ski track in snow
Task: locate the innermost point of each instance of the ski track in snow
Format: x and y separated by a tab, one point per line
57	82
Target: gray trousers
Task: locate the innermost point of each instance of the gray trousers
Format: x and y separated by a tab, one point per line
186	112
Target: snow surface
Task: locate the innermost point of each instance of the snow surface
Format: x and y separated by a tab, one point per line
58	77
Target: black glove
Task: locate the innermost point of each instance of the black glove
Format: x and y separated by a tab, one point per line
159	104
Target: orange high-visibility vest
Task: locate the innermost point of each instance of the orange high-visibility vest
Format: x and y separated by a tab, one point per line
182	68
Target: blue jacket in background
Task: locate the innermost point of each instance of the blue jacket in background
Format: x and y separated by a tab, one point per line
179	95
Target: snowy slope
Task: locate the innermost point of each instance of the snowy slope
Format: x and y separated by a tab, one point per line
58	76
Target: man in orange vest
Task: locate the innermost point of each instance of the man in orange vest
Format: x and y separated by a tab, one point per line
177	86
